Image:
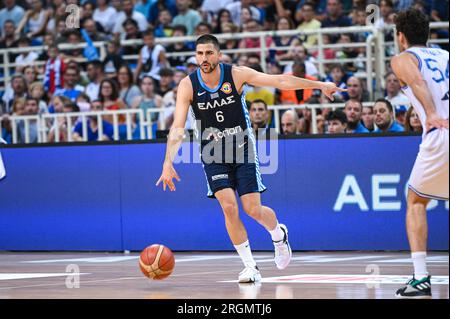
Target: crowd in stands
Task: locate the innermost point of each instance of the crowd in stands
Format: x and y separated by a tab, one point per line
143	74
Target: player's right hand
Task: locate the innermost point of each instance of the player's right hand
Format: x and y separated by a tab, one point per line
167	175
434	120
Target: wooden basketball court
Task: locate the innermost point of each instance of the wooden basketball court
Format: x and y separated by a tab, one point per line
213	275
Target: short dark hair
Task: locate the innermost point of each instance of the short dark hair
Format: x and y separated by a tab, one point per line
258	101
166	72
95	63
388	104
337	115
257	67
208	38
414	24
179	27
149	32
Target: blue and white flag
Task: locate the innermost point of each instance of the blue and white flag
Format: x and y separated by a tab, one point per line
2	166
90	51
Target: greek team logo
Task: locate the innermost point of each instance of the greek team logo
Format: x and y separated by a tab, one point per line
226	88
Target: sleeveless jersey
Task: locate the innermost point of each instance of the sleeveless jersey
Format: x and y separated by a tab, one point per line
434	67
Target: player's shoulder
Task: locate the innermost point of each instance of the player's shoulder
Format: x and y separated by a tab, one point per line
185	86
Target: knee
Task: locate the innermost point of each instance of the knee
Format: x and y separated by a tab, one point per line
230	209
253	211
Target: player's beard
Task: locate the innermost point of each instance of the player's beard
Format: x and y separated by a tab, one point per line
212	67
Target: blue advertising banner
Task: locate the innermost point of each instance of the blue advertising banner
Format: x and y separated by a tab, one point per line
333	194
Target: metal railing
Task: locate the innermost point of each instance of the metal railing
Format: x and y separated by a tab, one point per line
136	124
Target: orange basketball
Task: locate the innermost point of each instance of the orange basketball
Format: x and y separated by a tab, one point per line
157	262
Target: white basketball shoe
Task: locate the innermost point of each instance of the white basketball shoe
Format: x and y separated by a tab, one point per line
250	275
283	251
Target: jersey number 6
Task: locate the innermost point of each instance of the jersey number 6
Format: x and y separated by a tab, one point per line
219	116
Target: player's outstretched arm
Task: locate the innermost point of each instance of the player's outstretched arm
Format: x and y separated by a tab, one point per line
284	81
405	67
176	134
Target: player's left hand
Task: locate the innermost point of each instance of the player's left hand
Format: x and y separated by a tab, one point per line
434	120
168	174
329	88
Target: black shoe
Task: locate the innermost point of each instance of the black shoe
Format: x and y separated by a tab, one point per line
416	289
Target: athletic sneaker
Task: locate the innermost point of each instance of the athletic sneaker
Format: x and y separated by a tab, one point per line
249	275
416	289
283	251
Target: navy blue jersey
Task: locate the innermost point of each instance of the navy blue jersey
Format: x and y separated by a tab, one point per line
221	114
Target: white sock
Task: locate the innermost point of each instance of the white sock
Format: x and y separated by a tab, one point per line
277	233
245	253
420	264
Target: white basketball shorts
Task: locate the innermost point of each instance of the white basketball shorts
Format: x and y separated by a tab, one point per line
429	176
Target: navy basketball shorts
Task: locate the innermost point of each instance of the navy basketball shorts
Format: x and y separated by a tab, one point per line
244	178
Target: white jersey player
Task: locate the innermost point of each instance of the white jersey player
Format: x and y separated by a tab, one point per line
423	73
2	166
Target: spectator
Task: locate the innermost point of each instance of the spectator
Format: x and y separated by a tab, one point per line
235	9
158	5
28	133
223	17
92	128
349	53
297	96
70	87
336	122
30	74
202	28
18	90
151	57
166	82
36	91
148	100
163	28
95	75
113	59
179	46
34	21
356	90
25	58
246	15
259	118
283	24
289	123
412	123
384	117
11	12
299	52
54	68
128	12
191	65
368	118
260	93
105	15
127	89
186	16
439	11
231	43
178	75
91	28
386	10
309	22
353	111
131	33
143	6
57	104
73	37
400	114
394	94
9	38
338	76
335	17
61	123
109	96
253	43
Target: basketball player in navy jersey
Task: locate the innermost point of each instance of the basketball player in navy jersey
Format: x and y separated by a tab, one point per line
215	92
